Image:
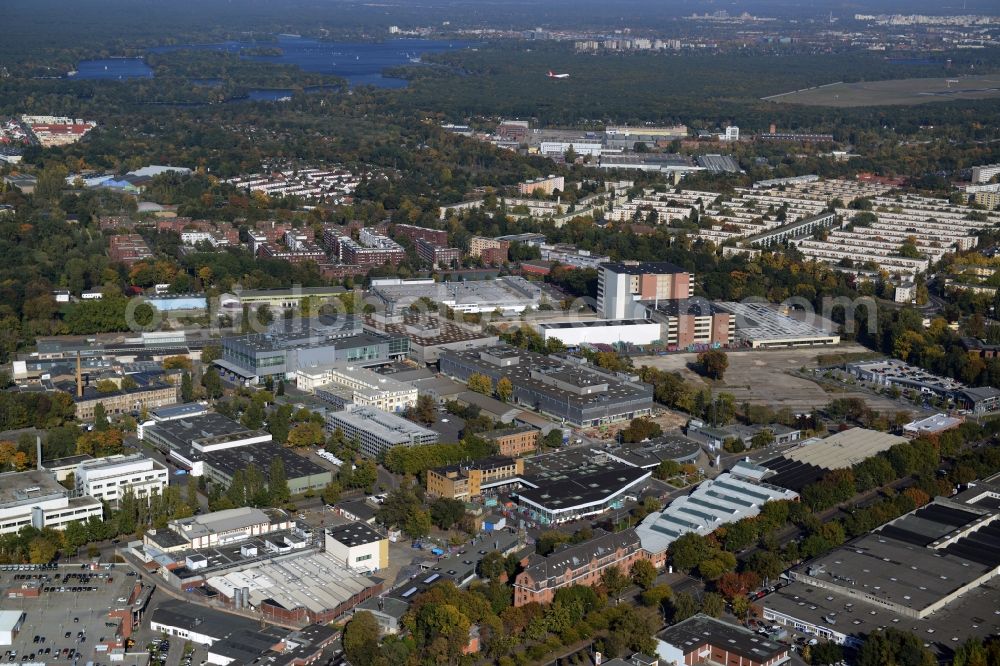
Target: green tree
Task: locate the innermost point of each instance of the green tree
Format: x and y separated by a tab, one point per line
713	604
305	434
365	475
643	573
51	181
331	493
210	354
505	389
361	639
713	363
827	652
667	469
641	429
74	536
192	492
614	581
277	483
279	423
424	411
446	512
682	607
213	383
491	566
418	523
101	422
480	383
253	415
891	647
42	550
657	595
553	439
688	551
187	388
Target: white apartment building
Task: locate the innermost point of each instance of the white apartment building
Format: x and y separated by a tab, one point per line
367	387
109	479
985	173
35	498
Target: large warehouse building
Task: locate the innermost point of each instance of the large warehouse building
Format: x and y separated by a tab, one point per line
760	326
813	458
729	497
602	331
562	388
930	572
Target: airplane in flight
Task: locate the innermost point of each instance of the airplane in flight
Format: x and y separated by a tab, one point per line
553	75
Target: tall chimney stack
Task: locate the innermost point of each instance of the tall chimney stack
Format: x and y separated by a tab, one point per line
38	451
79	376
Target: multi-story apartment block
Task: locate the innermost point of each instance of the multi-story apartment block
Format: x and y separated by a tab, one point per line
477	244
985	173
109	479
547	185
372	250
568	255
988	200
468	481
436	255
414	233
494	256
306	252
621	285
579	564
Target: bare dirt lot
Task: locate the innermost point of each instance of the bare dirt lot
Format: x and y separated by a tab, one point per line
761	378
894	92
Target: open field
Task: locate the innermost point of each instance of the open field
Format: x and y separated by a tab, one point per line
894	92
761	378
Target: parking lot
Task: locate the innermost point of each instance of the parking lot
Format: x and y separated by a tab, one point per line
69	618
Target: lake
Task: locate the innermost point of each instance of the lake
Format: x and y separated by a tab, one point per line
113	68
361	63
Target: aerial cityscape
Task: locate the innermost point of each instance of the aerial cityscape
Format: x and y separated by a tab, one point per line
486	332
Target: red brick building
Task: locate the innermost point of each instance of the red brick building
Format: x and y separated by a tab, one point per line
702	639
578	564
436	255
437	237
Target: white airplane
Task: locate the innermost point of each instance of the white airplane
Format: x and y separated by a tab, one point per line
553	75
